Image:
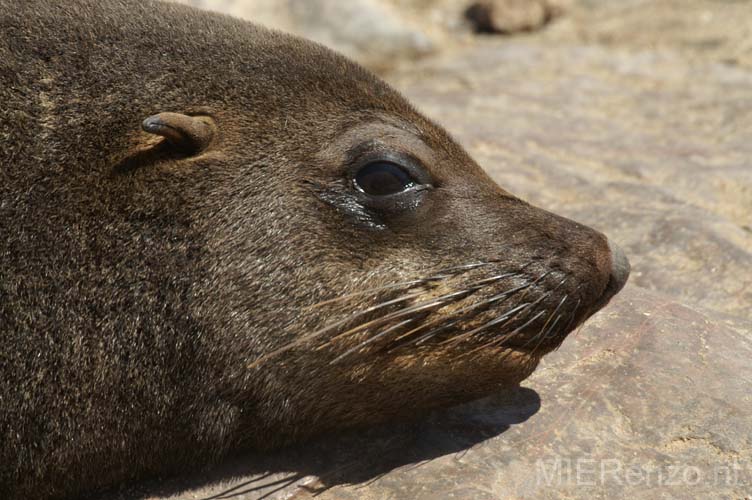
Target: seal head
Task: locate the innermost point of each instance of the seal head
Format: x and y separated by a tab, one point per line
285	247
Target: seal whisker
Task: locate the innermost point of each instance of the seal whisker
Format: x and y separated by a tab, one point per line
432	333
416	308
465	335
526	287
367	292
541	336
531	320
493	279
373	339
501	340
437	276
529	305
465	309
556	310
573	315
473	287
331	327
479	305
438	301
497	320
420	307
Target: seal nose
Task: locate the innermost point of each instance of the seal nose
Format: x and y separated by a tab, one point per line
619	270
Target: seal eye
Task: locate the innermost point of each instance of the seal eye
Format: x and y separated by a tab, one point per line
388	185
382	178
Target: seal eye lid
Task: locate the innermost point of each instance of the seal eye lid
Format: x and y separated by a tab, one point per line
404	169
384	178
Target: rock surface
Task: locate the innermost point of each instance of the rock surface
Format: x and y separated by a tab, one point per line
648	139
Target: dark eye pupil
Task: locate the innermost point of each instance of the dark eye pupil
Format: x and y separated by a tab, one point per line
383	178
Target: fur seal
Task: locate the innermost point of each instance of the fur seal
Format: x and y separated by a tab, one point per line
215	236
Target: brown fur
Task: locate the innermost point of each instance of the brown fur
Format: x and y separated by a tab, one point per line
152	303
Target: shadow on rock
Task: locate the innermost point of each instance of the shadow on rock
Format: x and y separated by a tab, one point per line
353	457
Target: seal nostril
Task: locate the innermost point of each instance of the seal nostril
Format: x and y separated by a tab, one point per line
619	270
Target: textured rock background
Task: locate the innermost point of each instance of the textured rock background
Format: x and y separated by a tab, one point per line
634	116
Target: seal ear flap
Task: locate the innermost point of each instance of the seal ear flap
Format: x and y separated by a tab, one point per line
190	134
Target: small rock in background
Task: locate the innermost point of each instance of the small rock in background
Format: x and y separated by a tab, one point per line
508	16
